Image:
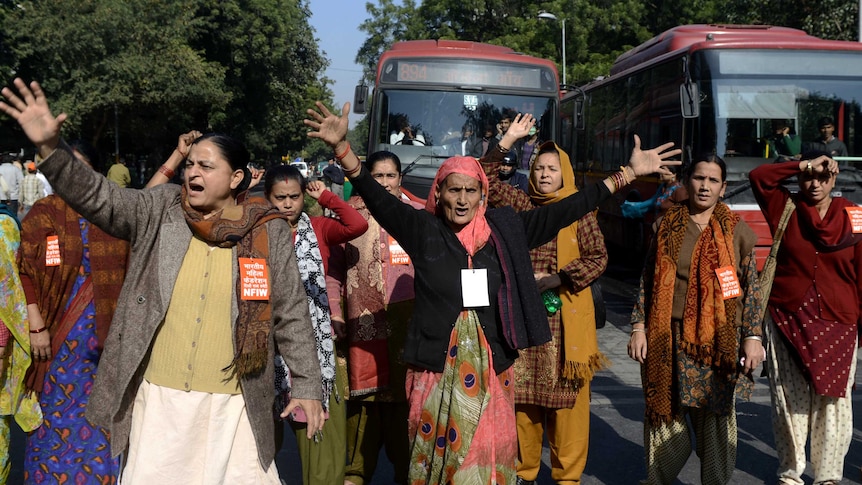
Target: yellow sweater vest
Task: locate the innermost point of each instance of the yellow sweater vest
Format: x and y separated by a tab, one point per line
195	342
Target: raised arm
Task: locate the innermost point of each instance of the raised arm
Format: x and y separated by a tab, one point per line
349	225
403	222
114	210
767	183
169	169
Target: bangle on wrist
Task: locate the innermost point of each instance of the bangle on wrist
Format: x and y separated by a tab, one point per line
809	167
167	172
343	154
40	330
753	337
636	330
628	174
353	171
502	149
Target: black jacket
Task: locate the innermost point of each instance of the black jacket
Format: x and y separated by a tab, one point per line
438	258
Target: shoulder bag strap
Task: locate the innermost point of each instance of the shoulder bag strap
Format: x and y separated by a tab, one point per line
768	273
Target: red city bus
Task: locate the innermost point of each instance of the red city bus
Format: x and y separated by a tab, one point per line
436	88
713	88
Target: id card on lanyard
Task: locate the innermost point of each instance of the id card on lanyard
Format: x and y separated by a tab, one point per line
474	287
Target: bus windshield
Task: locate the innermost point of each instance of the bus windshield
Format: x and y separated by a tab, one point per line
755	97
424	127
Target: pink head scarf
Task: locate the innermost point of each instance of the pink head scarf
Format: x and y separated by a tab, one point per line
476	233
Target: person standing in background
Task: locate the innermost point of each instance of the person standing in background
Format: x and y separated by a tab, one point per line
32	189
828	142
375	276
13	177
119	173
333	176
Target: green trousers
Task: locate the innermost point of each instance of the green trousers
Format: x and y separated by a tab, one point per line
323	461
372	425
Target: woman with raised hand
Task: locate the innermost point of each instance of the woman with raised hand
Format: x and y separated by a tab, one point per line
322	457
813	316
185	383
476	302
552	381
375	277
695	330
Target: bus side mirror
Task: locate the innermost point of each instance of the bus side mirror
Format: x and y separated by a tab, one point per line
689	100
360	98
579	114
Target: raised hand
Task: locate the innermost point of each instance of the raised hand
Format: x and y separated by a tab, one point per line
327	126
645	162
521	125
184	142
30	109
824	164
315	189
256	176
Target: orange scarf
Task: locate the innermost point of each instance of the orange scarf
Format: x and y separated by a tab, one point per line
476	233
709	322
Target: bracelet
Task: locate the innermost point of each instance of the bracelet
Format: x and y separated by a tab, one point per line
628	173
39	330
354	170
753	337
343	154
167	172
808	167
502	149
618	179
636	330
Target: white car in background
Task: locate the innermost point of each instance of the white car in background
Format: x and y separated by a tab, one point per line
302	167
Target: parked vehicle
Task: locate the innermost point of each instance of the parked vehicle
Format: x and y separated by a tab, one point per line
302	167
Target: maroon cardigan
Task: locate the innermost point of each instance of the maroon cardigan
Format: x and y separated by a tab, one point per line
802	260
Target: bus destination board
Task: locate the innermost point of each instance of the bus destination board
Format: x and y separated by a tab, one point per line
471	73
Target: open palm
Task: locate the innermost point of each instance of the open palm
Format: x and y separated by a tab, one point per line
30	109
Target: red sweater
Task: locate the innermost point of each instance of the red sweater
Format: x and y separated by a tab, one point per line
835	274
330	231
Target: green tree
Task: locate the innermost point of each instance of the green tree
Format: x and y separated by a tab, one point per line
274	70
828	19
160	68
129	59
358	137
387	23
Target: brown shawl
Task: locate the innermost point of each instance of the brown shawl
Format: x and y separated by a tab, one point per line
243	226
709	322
50	287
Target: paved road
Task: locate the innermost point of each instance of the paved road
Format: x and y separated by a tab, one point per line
616	449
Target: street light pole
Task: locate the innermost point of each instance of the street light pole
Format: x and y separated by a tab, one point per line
565	81
549	16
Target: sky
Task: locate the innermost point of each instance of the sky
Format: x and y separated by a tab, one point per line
336	23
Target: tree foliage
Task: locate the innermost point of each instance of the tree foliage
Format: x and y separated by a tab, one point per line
162	67
597	31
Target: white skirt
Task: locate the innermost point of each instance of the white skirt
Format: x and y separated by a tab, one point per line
192	438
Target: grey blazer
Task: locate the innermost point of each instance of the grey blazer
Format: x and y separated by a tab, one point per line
152	220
